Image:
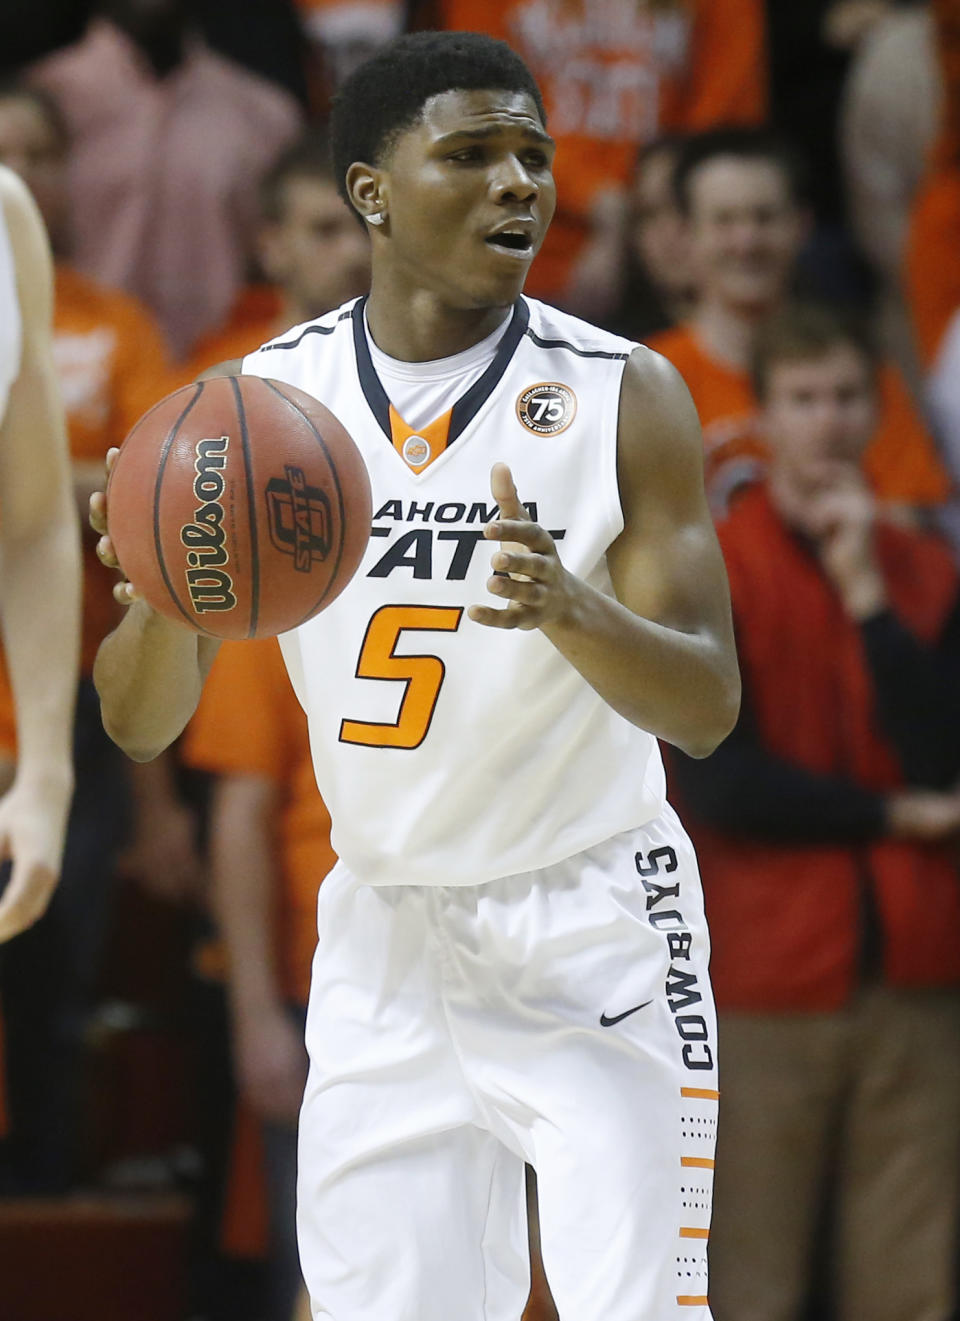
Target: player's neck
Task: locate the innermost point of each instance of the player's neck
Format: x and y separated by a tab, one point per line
420	328
727	332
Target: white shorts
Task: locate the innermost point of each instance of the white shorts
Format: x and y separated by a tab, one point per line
561	1017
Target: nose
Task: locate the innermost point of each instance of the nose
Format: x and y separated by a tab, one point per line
512	182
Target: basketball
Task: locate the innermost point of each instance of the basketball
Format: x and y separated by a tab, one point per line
239	506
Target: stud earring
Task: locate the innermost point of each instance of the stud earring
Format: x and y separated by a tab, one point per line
377	218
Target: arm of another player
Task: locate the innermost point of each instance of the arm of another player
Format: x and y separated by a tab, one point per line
39	583
662	654
149	672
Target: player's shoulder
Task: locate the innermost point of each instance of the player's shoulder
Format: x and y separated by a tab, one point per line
550	328
305	337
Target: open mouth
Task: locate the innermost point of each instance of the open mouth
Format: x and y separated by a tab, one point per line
511	241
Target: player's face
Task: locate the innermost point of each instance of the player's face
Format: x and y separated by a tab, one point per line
469	194
658	235
745	231
31	148
316	252
819	413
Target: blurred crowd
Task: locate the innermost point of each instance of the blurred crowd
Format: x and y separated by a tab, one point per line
769	195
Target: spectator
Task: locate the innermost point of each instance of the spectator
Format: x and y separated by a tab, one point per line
270	849
169	142
740	192
346	33
888	122
112	365
932	268
264	36
310	247
811	45
614	77
658	281
826	828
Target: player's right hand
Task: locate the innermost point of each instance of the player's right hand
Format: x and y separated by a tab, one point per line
33	824
124	592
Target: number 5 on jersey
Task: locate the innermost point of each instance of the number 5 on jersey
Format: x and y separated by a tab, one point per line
423	675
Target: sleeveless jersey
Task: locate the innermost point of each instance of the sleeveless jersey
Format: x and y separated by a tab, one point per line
10	324
450	753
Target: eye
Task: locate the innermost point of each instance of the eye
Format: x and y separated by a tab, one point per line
467	155
537	160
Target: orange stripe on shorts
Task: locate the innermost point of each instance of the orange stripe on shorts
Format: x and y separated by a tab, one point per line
700	1093
687	1232
692	1300
697	1162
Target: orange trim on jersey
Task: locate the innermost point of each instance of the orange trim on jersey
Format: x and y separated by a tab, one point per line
687	1232
432	438
697	1162
700	1093
691	1299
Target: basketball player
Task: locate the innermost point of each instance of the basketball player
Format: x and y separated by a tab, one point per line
39	565
513	959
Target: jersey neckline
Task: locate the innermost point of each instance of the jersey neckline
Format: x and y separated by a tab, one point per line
468	405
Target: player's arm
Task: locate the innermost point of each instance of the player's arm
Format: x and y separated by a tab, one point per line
149	671
39	581
662	654
268	1049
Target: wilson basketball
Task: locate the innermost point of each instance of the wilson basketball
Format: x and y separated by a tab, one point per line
239	506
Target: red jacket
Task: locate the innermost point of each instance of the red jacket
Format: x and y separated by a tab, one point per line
785	920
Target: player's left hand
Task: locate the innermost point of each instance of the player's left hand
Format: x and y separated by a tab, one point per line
527	569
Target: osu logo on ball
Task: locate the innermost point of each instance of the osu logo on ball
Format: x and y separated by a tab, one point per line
547	408
300	518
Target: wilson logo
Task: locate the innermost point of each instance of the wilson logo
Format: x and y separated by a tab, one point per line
299	518
209	584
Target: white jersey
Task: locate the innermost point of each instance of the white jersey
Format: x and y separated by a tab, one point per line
450	753
10	324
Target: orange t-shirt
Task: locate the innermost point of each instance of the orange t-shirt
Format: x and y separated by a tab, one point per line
112	366
249	722
901	461
615	77
932	259
254	318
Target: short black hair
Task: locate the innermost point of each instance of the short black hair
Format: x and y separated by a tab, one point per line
308	157
748	144
16	89
807	330
386	94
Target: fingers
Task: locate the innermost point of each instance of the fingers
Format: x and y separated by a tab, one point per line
529	566
98	512
515	616
106	554
125	593
504	491
527	533
25	899
98	501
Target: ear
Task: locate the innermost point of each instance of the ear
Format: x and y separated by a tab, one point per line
366	189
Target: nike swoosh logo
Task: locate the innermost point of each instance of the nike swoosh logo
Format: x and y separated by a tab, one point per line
618	1018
